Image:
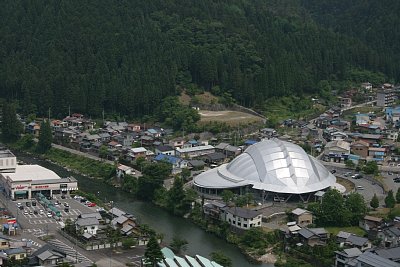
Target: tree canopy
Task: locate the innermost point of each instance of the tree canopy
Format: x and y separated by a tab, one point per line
124	57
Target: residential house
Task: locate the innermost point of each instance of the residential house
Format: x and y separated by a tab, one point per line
370	223
370	259
16	253
302	217
104	137
125	139
91	138
134	128
177	142
313	236
392	135
165	150
146	140
4	242
337	150
192	152
123	170
196	164
215	158
115	212
377	153
243	218
153	132
363	119
177	163
126	223
392	114
114	145
138	152
392	254
228	150
33	128
359	148
49	255
345	102
355	241
87	225
370	138
366	86
346	258
336	136
390	236
214	210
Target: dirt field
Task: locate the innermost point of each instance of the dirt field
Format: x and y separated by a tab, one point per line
228	116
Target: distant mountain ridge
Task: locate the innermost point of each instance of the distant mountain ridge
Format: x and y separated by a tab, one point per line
125	56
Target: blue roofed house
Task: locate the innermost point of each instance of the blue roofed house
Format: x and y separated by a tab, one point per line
177	163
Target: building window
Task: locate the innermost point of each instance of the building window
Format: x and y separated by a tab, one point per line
245	225
239	224
259	223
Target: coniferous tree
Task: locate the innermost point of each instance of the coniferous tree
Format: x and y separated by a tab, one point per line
11	128
45	137
398	195
153	253
389	200
374	202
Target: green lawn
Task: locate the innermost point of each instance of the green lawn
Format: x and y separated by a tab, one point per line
351	229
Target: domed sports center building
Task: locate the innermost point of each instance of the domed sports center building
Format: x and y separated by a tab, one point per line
272	169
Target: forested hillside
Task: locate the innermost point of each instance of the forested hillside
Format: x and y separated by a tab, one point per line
126	56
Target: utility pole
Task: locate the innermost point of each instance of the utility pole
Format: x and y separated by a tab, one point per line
49	114
69	111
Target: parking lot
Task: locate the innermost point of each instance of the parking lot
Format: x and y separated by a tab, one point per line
39	215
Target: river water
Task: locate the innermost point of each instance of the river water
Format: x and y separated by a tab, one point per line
200	242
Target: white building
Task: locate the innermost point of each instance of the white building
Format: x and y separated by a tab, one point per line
87	225
196	151
243	218
123	170
24	181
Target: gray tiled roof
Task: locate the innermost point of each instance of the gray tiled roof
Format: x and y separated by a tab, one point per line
243	213
356	240
87	221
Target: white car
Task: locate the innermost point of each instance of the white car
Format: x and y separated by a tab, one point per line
49	215
25	212
359	187
19	204
77	197
41	212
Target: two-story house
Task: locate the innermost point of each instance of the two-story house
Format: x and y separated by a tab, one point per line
302	217
243	218
313	236
87	225
165	150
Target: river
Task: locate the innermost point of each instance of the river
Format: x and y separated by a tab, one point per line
200	242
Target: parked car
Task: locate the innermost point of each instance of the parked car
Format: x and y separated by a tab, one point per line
347	174
357	176
41	212
66	209
21	207
57	203
91	204
31	212
33	203
49	214
77	197
333	171
83	200
66	204
359	187
35	212
26	212
62	196
28	204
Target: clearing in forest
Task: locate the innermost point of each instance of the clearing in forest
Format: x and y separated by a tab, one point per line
230	117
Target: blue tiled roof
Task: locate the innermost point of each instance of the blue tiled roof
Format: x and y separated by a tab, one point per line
170	159
250	142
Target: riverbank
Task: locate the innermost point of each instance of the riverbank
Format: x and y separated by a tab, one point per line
67	158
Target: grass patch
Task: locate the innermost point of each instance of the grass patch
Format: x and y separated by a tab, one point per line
349	185
351	229
229	117
90	167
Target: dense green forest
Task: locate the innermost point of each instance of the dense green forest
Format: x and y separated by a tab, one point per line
126	56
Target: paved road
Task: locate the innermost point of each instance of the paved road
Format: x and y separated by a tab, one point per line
367	188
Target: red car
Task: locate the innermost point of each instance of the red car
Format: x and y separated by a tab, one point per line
91	204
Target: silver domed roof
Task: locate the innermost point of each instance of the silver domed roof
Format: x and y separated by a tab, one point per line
271	165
